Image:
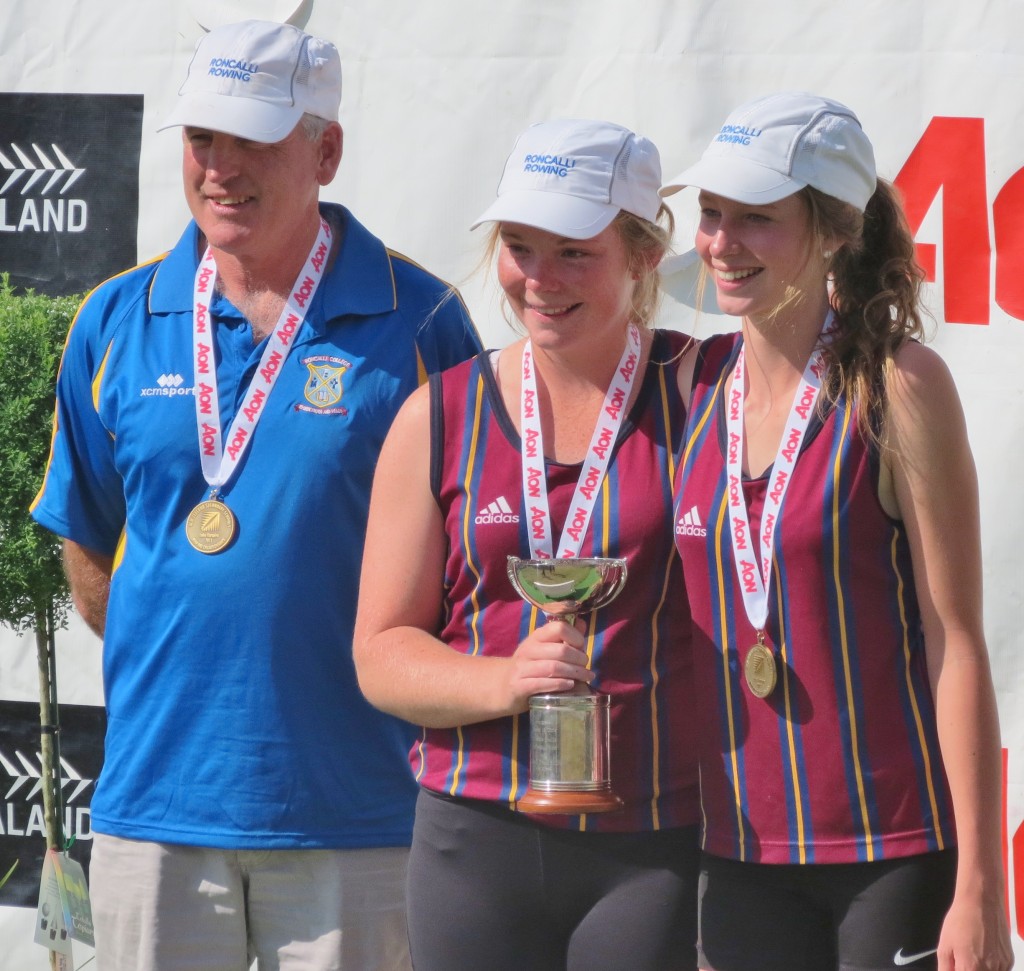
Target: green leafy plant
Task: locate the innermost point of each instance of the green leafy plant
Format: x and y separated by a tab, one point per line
33	591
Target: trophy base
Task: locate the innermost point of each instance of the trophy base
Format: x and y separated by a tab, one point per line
568	802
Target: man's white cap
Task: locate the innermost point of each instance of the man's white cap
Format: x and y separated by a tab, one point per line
255	79
774	146
572	177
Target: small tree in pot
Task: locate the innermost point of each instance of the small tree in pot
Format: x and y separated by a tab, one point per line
33	590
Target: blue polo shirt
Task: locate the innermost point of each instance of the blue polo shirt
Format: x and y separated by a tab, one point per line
234	717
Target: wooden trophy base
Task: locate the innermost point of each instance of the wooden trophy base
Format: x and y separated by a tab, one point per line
569	803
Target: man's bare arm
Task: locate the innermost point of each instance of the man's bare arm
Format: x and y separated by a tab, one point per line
89	573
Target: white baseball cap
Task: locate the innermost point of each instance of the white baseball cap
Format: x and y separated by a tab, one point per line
572	177
774	146
255	79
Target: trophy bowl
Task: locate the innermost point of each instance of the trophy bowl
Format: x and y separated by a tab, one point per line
569	731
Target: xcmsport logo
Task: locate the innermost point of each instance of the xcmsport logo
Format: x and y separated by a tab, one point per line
167	386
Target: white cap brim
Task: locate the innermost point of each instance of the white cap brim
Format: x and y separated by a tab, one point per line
243	117
741	180
555	212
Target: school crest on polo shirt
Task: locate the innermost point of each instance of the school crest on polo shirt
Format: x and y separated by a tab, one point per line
324	386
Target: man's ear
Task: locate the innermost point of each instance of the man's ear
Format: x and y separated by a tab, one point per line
331	145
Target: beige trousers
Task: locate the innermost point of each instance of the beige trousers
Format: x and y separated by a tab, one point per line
164	907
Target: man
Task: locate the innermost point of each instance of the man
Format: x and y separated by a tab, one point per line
219	416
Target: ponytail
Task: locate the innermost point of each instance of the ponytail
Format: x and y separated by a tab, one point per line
875	294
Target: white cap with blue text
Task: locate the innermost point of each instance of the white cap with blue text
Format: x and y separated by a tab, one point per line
255	79
572	177
776	145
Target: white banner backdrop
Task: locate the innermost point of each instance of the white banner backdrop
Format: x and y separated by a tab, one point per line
434	95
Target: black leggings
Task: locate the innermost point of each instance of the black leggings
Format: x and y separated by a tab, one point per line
491	890
822	916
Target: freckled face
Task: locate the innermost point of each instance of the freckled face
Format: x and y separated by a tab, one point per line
758	254
563	289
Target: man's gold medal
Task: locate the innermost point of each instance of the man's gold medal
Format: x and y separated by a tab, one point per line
210	526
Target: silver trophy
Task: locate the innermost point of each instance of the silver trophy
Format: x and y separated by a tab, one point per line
569	731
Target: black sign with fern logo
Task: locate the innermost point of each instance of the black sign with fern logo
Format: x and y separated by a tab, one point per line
22	823
69	188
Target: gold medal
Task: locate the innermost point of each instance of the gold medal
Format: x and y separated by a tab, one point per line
210	527
760	671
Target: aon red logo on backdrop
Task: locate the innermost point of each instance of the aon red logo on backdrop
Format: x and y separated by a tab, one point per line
950	157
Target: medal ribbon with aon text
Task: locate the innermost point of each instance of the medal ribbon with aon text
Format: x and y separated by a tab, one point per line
210	526
595	465
759	667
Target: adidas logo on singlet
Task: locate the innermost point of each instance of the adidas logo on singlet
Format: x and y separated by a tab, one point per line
498	511
690	525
